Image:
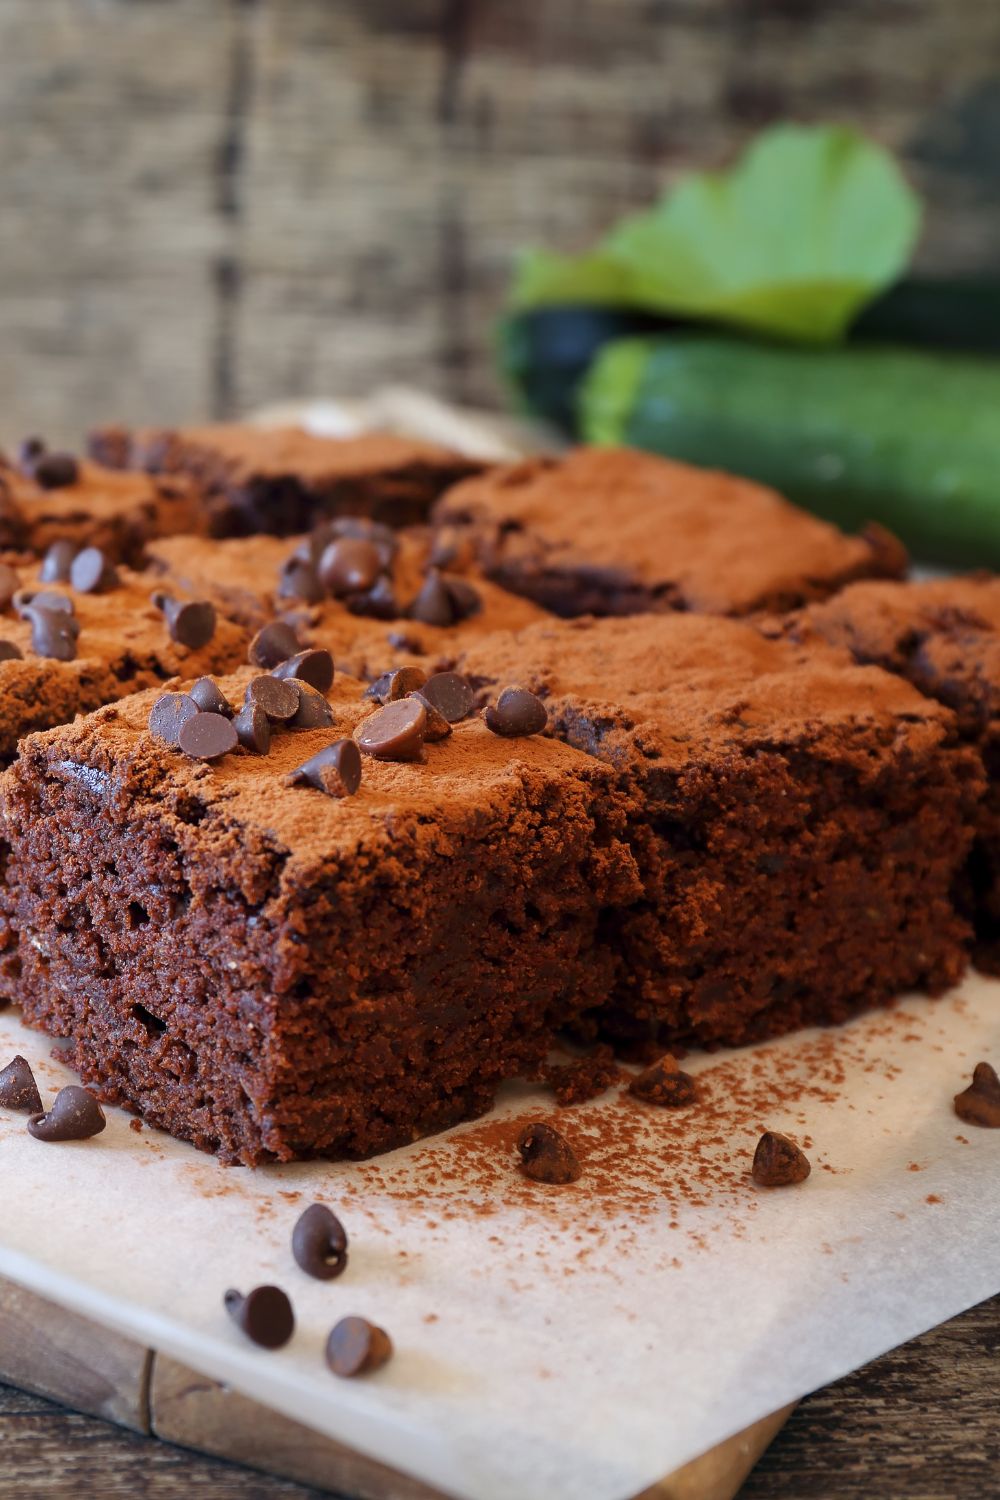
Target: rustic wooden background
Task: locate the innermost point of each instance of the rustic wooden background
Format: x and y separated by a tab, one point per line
205	204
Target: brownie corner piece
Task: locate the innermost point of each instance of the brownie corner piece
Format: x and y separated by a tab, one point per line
272	973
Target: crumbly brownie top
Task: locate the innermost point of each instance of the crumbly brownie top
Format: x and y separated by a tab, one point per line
686	538
669	691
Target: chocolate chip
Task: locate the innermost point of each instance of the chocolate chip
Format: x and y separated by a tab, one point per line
29	451
9	585
53	471
437	726
264	1315
335	770
395	732
314	667
547	1156
279	700
53	632
357	1347
319	1241
27	599
91	573
401	641
18	1089
465	600
57	562
349	565
190	623
273	645
517	713
75	1116
313	711
979	1104
393	685
450	694
207	695
253	729
433	605
664	1083
168	716
300	580
381	537
379	602
10	652
207	736
778	1162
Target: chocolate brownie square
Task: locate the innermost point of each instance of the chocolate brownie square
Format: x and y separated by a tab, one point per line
802	820
285	480
271	972
609	531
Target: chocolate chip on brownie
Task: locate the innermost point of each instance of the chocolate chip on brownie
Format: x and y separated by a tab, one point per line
91	572
26	600
319	1243
57	562
335	770
547	1156
278	699
265	1315
314	667
979	1104
169	714
209	699
778	1161
399	684
190	623
434	605
18	1089
300	580
350	565
664	1083
313	711
54	632
517	712
253	729
272	645
54	471
437	726
357	1347
75	1116
207	736
450	694
394	732
29	451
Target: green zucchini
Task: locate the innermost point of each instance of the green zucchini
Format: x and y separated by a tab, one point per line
906	437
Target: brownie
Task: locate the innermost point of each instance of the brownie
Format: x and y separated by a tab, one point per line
118	512
124	645
271	972
284	479
245	576
610	531
943	635
800	824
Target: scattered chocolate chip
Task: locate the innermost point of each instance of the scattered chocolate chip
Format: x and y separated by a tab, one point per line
264	1315
357	1347
433	605
547	1156
190	623
664	1083
18	1089
517	712
979	1104
395	732
279	700
350	565
27	599
313	711
314	667
208	696
465	600
300	580
335	770
10	652
437	726
54	632
57	562
91	573
253	728
9	585
75	1116
450	694
207	736
29	451
273	645
403	642
168	716
398	684
381	537
53	471
778	1162
380	602
319	1240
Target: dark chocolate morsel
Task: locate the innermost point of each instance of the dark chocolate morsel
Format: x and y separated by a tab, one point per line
168	716
398	684
53	632
75	1116
273	645
433	605
253	728
9	585
335	770
664	1083
27	599
18	1089
279	700
313	711
357	1347
547	1156
319	1242
314	667
450	694
437	726
10	652
57	562
381	537
466	601
778	1162
29	451
979	1104
207	736
517	712
379	602
53	471
300	580
191	623
208	696
264	1315
91	573
394	732
350	565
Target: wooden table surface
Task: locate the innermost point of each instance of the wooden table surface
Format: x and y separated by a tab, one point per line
922	1422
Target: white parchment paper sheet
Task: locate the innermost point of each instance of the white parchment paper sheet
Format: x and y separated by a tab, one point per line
556	1343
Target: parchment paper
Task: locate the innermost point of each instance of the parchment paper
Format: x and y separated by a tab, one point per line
556	1343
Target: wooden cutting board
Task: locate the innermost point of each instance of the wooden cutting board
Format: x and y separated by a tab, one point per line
58	1354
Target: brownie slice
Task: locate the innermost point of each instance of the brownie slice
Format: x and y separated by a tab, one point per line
610	531
256	580
285	480
270	972
802	820
101	507
123	644
943	636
